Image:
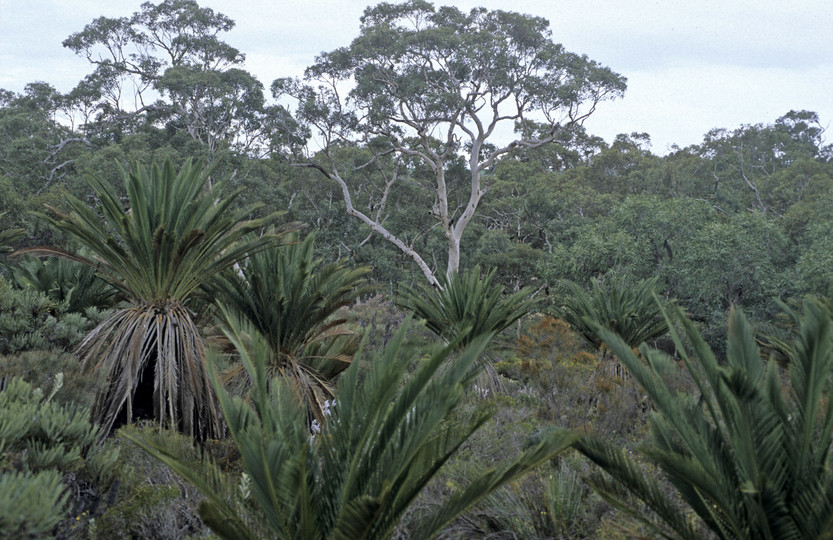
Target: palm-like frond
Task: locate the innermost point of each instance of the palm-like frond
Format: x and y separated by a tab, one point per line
64	281
290	300
466	306
631	312
390	433
175	235
750	458
8	236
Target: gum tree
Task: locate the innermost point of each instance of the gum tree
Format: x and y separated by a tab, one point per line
432	86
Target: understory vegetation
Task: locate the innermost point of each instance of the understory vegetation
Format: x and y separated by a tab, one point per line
209	328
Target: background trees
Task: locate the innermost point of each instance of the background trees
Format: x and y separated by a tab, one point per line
434	87
167	67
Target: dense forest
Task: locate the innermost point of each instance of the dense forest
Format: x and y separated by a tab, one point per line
407	295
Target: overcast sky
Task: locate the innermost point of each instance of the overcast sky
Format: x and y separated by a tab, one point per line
691	65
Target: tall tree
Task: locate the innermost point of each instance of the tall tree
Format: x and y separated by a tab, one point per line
432	86
166	64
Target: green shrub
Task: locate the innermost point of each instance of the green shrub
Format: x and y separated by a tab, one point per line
30	320
39	368
31	504
47	452
144	514
153	502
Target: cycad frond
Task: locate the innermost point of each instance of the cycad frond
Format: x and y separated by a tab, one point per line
290	299
630	311
466	306
390	433
64	280
751	459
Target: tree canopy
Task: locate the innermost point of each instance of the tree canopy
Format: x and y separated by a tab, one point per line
433	86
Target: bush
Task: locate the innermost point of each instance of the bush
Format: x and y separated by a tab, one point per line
41	443
39	368
30	320
153	502
31	504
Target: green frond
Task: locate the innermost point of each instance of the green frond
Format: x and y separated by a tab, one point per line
290	299
751	460
175	234
466	306
630	311
68	278
389	432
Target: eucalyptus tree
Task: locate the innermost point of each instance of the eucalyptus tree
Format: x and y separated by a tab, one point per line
174	236
432	86
742	165
166	64
38	148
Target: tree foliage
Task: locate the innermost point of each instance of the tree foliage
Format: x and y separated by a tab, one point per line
166	64
432	85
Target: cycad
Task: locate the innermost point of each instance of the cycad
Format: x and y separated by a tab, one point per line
751	453
390	433
290	299
466	306
177	234
62	280
630	311
8	236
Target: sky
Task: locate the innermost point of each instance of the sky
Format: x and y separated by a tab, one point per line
691	65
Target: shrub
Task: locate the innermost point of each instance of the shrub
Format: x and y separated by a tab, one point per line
31	504
29	320
42	443
39	368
